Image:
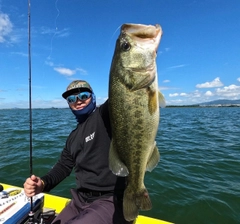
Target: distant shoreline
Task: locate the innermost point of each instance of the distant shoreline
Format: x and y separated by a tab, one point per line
203	106
215	103
168	106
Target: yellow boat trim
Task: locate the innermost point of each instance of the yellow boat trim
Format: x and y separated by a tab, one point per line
58	203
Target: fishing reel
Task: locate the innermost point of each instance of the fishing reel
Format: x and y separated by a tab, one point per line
44	217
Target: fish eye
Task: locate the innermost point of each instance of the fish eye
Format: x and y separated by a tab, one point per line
126	46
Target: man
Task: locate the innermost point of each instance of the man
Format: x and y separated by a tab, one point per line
98	196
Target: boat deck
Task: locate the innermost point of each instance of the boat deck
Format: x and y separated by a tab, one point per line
53	205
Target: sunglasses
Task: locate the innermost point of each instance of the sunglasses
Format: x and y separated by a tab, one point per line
81	96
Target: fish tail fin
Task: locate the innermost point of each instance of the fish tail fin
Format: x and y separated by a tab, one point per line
135	201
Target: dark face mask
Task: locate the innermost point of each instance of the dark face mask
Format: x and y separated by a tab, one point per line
82	115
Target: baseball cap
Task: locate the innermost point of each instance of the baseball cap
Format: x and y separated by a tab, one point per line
76	87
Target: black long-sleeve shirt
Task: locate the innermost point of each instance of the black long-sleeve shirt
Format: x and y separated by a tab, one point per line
86	150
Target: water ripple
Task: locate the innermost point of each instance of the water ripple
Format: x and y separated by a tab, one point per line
196	181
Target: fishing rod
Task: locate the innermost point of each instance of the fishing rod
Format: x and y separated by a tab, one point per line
31	213
31	218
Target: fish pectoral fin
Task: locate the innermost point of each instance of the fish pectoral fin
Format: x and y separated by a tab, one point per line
154	159
161	100
115	163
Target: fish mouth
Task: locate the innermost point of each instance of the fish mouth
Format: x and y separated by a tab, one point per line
143	33
150	68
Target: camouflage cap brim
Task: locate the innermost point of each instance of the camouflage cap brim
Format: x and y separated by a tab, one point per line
76	87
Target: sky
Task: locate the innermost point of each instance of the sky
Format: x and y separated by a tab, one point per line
198	58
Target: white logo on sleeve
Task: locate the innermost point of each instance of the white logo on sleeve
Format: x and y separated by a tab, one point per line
90	137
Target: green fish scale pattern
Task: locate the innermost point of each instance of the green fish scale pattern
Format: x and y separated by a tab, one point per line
136	132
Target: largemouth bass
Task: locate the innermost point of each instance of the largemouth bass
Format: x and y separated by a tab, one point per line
134	101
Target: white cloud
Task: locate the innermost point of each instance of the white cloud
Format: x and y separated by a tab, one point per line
20	53
173	94
50	63
231	91
238	79
215	83
208	93
163	88
65	71
5	27
82	71
197	94
176	66
165	81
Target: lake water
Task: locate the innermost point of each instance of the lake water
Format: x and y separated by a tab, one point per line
196	181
